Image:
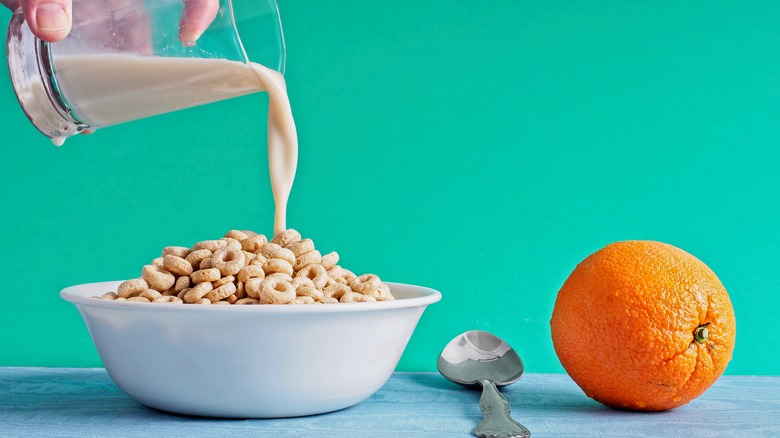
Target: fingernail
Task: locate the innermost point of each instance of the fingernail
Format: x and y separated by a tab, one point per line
51	17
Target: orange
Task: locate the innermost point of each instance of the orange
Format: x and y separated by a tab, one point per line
643	325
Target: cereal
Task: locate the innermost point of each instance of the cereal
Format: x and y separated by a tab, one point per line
273	251
337	290
158	278
301	247
168	300
275	291
150	294
236	234
365	283
182	283
240	291
178	251
211	245
244	268
228	260
304	287
177	265
131	288
196	293
205	275
354	297
330	260
251	271
252	244
304	300
273	266
315	273
253	286
249	256
195	257
310	258
232	243
223	281
286	237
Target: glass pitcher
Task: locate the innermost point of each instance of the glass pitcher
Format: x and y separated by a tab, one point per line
124	60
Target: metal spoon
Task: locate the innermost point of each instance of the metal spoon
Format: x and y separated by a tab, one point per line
478	358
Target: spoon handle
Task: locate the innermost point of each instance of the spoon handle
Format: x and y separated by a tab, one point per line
497	421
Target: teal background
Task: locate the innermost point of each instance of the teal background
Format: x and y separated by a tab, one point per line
479	148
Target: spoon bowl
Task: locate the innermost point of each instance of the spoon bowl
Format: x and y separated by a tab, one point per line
479	359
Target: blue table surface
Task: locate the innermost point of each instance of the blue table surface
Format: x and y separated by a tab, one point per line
75	402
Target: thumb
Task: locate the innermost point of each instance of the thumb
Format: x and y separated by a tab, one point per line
49	20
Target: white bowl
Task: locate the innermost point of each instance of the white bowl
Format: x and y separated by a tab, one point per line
254	361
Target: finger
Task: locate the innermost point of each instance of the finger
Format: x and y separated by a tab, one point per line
196	18
49	20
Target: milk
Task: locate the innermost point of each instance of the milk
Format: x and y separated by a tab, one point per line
107	89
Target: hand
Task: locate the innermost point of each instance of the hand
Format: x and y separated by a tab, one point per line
51	20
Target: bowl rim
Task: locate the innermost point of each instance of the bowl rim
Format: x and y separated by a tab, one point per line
82	295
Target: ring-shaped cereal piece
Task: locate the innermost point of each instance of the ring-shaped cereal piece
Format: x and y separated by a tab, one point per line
223	281
232	243
310	258
273	251
178	251
182	283
304	300
273	266
354	297
205	275
301	247
280	276
286	237
232	299
177	265
240	291
304	287
337	291
158	262
221	292
329	300
365	284
211	245
252	287
150	294
182	293
236	234
223	303
252	244
132	288
249	256
259	260
195	257
243	301
158	278
196	293
251	271
109	296
275	291
168	300
139	299
203	301
206	263
315	273
330	260
228	260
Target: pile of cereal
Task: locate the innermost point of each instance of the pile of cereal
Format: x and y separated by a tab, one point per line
245	268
